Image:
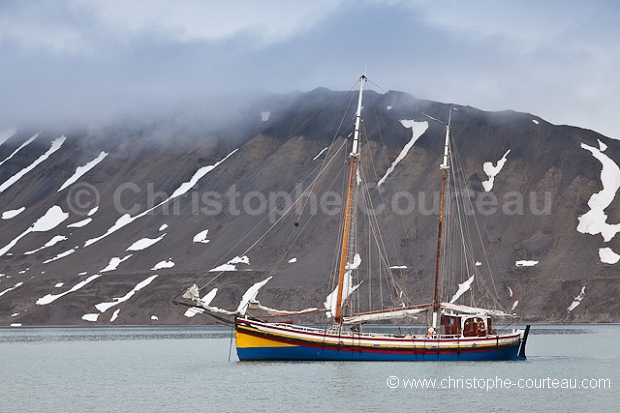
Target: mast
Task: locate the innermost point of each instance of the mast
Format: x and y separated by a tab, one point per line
442	195
354	159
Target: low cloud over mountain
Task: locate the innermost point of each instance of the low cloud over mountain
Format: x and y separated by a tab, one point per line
108	226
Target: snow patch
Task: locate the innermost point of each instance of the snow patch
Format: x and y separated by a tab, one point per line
16	286
154	318
577	299
320	153
163	227
292	260
594	221
181	190
526	263
162	265
103	307
81	223
93	211
608	256
56	144
201	172
12	213
81	170
59	256
52	218
535	122
144	243
463	288
115	314
55	240
58	285
120	223
398	267
50	298
417	130
492	171
202	237
231	265
114	263
264	116
91	317
20	148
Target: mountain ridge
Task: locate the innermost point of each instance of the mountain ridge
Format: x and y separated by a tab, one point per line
276	144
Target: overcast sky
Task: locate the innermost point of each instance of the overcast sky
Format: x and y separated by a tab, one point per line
92	61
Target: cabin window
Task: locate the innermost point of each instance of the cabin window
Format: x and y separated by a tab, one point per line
474	327
451	324
490	328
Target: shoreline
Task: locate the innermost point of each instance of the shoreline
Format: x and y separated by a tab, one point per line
199	326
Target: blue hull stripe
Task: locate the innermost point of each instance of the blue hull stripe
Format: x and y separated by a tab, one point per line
313	353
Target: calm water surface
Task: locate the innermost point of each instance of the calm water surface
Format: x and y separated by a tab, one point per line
187	369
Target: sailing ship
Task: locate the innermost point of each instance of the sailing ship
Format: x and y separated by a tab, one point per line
454	331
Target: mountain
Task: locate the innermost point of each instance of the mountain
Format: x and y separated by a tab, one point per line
108	226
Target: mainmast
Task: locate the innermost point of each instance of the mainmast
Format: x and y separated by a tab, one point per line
442	195
354	159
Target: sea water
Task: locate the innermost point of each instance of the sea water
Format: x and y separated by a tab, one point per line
195	369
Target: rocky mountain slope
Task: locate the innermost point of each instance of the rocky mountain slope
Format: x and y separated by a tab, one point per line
107	227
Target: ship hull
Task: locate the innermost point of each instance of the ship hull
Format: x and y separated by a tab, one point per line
274	341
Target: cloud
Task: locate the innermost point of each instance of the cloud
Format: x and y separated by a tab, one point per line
94	61
199	20
550	58
85	61
79	26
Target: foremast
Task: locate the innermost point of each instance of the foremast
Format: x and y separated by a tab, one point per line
442	196
346	236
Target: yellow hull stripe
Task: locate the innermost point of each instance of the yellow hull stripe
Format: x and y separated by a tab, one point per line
250	341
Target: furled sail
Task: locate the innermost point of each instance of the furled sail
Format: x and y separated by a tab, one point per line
383	315
250	295
248	301
206	300
254	304
330	301
475	310
193	294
